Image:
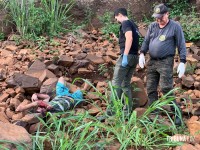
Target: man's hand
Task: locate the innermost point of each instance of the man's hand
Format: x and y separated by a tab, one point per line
141	60
125	60
181	69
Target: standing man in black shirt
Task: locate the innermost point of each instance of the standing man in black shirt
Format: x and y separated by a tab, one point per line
161	40
126	63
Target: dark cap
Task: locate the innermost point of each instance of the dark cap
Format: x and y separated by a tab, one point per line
159	10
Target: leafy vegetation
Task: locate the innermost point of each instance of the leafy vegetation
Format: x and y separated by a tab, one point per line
1	36
109	26
49	18
189	19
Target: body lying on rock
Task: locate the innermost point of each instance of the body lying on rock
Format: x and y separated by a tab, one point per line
63	101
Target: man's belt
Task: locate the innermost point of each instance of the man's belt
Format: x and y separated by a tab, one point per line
162	57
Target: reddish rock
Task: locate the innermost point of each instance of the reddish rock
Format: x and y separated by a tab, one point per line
53	68
194	129
112	54
92	96
101	86
19	90
32	118
11	47
94	59
140	111
49	86
11	92
197	85
2	74
94	110
65	61
188	81
139	94
6	53
18	116
35	127
28	83
3	117
80	56
4	97
15	134
9	113
84	71
186	146
14	102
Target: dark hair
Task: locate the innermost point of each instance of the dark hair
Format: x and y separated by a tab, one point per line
122	11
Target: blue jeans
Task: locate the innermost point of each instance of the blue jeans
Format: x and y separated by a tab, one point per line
122	78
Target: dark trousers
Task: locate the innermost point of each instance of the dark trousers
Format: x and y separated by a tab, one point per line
122	77
159	72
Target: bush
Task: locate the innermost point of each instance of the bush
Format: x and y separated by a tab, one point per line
188	18
49	18
109	26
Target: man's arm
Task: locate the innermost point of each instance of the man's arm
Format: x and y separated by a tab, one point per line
180	43
145	44
128	43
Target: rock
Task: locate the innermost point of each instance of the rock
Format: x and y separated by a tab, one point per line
11	92
9	113
49	87
92	96
14	102
188	81
11	48
35	127
65	61
94	111
78	64
32	118
28	83
40	74
80	56
6	53
94	59
195	50
3	118
53	68
186	146
2	74
15	134
140	111
112	54
37	65
84	71
18	116
197	85
142	31
193	118
139	94
194	129
101	86
197	71
19	90
4	97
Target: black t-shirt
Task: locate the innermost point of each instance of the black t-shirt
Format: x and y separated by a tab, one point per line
127	25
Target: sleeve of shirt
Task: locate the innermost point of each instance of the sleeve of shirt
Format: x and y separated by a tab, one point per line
180	43
126	26
145	44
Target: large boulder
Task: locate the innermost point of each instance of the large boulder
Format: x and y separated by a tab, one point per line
14	134
28	83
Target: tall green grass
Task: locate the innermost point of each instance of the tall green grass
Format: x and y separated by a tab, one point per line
50	17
